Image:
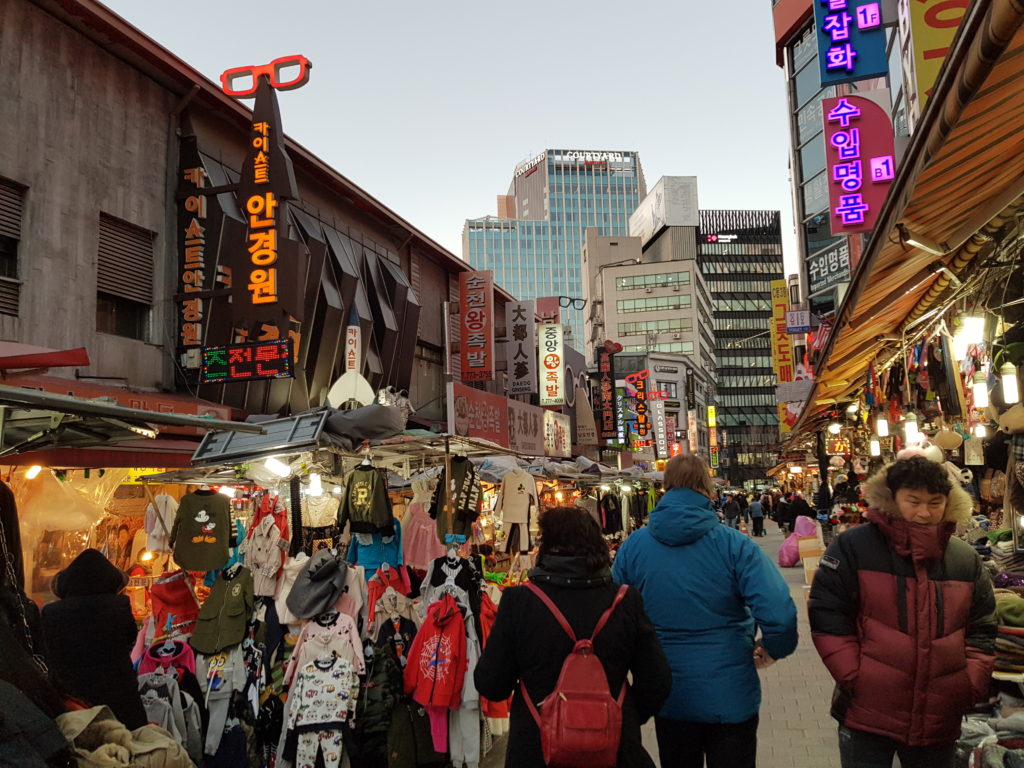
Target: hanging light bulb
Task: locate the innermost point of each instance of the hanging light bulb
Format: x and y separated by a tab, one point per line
278	467
226	490
852	408
875	446
337	489
980	389
882	426
970	333
910	430
1011	392
835	427
32	472
559	495
979	430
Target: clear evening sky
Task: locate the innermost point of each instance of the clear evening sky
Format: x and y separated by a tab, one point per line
428	106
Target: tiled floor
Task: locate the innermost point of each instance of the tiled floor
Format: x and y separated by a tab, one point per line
796	730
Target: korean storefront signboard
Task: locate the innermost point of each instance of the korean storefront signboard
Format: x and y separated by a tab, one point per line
475	413
798	321
828	268
270	273
782	347
638	381
551	355
476	323
586	424
660	427
247	362
860	159
522	345
691	431
851	40
194	273
927	29
605	407
671	425
691	390
557	435
525	428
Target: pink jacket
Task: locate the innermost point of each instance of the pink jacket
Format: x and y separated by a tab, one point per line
331	632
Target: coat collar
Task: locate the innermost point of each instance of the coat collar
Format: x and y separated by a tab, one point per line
921	543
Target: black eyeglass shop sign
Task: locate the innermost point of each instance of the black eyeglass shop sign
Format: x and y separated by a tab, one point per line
247	362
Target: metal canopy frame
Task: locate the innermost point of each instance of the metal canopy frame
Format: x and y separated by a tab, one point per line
294	434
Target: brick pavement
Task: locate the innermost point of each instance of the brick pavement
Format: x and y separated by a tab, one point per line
796	730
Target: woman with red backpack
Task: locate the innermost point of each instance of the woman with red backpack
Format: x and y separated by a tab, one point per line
563	646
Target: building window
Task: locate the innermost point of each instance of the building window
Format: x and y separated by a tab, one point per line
663	280
12	200
653	304
670	388
678	347
124	278
657	326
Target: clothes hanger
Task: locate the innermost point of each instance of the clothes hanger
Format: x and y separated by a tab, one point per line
367	460
204	487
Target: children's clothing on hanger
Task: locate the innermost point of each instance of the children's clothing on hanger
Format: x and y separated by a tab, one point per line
371	550
420	543
329	633
160	516
517	503
323	700
202	531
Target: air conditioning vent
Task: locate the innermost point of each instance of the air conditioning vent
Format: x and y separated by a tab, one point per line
648	290
675	288
677	335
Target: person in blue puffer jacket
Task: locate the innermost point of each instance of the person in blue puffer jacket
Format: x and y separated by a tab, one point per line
708	589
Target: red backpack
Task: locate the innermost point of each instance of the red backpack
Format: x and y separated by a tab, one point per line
580	723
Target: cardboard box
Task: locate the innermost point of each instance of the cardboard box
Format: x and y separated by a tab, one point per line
810	568
810	546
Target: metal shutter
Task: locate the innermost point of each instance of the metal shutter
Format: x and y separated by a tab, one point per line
125	264
11	201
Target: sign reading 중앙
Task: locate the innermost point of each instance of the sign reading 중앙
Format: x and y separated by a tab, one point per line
851	40
860	160
552	365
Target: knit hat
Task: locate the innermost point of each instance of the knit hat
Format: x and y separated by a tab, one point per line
89	574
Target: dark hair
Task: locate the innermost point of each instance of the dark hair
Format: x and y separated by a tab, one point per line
572	532
918	472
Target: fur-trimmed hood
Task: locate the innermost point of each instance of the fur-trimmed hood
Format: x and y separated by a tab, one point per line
959	507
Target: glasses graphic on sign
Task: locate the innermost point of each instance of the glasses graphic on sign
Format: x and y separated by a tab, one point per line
285	74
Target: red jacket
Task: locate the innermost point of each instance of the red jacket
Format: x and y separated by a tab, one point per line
903	616
498	710
437	658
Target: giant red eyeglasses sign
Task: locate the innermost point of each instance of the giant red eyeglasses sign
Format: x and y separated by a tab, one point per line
861	161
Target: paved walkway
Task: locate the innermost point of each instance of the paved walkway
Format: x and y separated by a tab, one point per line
796	730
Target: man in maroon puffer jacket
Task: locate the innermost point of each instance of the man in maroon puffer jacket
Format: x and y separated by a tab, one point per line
903	616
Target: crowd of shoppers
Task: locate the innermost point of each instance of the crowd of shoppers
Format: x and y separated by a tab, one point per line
902	614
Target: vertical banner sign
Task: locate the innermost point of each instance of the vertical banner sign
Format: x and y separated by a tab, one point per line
712	426
691	394
851	40
267	289
552	365
660	427
522	358
861	161
639	383
193	267
476	310
607	423
622	411
353	349
927	29
525	428
671	425
691	431
782	347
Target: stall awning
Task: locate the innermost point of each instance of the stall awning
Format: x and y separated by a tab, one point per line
963	172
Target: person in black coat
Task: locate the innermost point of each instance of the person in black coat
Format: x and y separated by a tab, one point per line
527	644
799	507
89	633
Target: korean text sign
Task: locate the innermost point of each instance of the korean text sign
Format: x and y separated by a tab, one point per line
247	362
522	356
927	29
851	40
782	347
860	160
193	268
638	381
552	365
475	413
476	316
607	413
557	435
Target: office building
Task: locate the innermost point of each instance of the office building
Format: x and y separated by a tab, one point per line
533	245
740	253
828	259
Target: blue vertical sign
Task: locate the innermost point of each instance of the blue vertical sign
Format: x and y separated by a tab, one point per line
851	40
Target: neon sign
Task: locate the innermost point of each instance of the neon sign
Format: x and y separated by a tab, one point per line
851	40
247	362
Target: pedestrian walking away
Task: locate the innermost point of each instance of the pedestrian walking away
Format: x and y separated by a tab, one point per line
756	510
903	615
709	590
528	644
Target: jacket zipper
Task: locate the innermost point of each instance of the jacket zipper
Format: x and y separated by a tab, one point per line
939	609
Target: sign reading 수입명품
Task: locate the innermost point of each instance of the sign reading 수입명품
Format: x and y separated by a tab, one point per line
860	160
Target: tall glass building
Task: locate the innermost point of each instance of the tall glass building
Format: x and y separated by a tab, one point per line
534	243
740	253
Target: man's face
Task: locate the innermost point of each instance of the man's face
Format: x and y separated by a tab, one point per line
917	505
